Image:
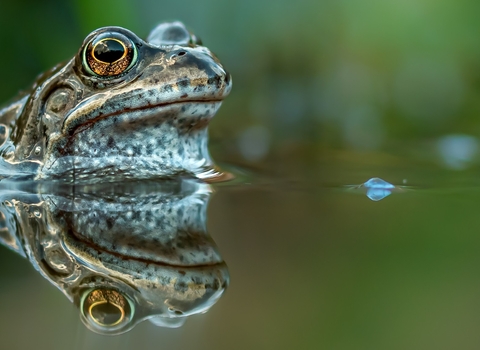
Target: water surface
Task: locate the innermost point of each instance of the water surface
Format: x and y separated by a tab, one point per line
313	263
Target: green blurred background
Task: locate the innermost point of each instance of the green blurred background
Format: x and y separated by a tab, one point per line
358	75
325	93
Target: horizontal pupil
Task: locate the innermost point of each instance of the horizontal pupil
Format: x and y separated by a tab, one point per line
108	51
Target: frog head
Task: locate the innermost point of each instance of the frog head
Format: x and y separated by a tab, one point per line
124	107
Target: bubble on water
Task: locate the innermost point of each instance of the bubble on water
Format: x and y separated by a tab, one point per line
377	183
378	189
376	194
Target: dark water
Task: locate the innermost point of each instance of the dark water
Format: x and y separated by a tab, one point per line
313	263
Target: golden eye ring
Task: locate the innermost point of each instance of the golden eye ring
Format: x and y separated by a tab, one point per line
109	55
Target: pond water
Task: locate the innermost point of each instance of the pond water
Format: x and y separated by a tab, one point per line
313	261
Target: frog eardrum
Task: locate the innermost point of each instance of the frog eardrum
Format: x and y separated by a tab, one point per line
109	54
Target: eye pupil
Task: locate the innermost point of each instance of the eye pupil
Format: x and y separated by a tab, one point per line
108	55
109	50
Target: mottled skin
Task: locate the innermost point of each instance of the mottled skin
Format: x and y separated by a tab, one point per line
147	241
150	121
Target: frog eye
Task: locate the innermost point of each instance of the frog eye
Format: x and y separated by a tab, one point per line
106	310
109	55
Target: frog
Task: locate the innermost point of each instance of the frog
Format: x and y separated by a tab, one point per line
134	252
122	108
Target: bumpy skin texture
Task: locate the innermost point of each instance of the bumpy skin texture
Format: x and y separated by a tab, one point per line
150	121
147	241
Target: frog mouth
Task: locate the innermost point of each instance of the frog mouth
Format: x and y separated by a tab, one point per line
198	112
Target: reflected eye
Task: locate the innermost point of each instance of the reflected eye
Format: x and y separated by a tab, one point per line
106	309
109	55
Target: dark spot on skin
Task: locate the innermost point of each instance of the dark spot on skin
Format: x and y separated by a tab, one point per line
184	96
111	142
168	88
149	150
181	272
215	80
185	82
181	287
137	150
199	87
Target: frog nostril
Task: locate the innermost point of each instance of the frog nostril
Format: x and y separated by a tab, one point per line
178	54
174	311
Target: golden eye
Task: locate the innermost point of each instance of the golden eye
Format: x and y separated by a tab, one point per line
109	55
106	308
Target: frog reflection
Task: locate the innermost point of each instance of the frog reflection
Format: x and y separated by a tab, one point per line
122	254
